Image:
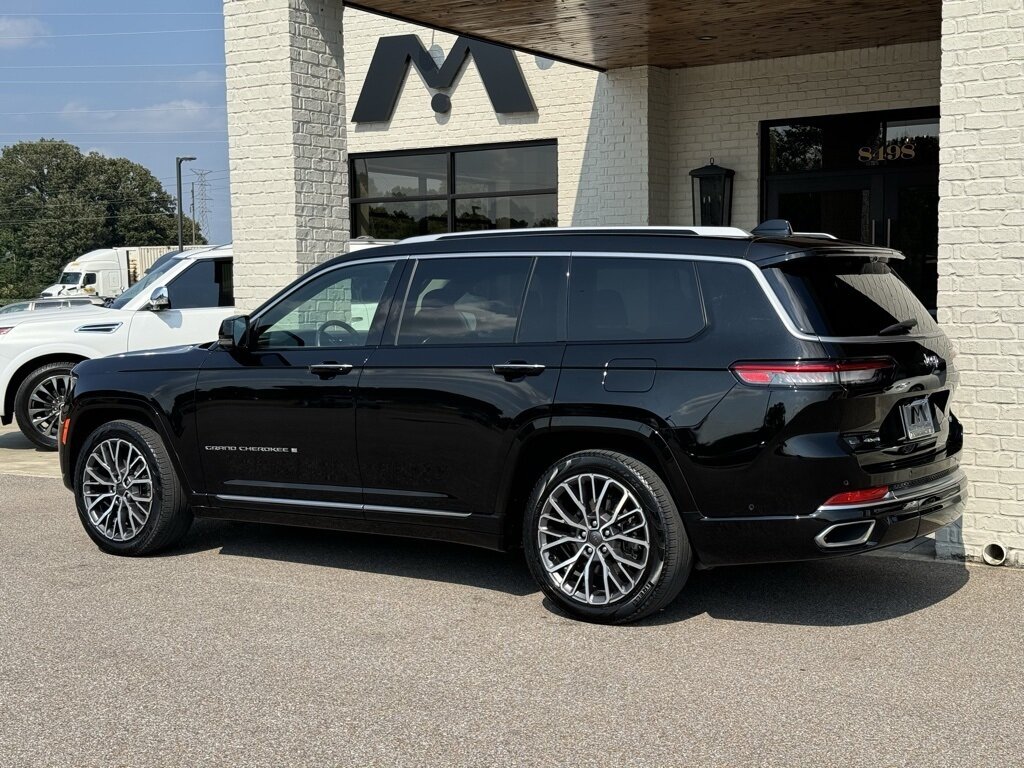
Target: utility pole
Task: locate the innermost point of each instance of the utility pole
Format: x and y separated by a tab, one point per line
192	213
177	173
202	199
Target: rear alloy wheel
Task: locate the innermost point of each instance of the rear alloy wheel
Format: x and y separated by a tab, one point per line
604	539
39	400
127	492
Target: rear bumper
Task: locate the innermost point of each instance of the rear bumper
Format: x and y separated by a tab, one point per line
904	514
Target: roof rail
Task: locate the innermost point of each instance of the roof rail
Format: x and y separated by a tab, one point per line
655	230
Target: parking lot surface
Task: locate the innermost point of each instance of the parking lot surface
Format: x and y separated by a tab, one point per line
19	457
255	645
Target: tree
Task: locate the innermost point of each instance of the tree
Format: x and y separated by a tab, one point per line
56	204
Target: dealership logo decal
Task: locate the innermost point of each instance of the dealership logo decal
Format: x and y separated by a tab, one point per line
502	78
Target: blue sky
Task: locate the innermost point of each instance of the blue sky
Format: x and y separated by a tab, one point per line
51	85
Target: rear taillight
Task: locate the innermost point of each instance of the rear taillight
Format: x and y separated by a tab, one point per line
5	330
864	496
809	373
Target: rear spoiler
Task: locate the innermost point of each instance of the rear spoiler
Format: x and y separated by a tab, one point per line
775	243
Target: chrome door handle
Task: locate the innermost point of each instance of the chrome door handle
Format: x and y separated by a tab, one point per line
512	369
330	370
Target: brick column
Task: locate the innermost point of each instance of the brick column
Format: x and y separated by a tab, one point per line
286	134
981	260
625	175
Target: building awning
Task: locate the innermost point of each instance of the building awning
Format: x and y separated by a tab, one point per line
608	34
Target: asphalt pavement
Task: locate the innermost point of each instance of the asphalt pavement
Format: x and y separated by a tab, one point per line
256	645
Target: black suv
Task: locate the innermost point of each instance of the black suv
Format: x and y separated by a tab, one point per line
623	403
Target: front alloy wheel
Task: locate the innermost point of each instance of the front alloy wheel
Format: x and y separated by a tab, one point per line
117	488
127	492
603	538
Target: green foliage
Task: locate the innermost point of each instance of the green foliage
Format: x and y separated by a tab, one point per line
56	204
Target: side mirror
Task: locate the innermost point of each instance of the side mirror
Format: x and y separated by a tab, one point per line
159	299
234	332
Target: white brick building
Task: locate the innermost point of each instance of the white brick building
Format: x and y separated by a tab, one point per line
843	136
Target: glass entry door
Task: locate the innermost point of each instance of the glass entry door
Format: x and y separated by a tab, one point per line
871	177
911	225
837	205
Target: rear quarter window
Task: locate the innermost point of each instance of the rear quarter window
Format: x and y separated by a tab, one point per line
633	299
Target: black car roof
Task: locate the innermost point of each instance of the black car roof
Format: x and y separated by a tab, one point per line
763	251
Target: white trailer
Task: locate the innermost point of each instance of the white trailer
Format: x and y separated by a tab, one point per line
107	272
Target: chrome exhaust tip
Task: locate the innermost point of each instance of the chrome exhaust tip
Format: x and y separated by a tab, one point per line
851	534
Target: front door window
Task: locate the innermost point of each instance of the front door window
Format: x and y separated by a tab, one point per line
335	309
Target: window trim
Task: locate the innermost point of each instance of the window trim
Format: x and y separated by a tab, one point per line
374	336
451	196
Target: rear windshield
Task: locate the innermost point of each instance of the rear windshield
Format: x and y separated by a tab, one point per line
848	297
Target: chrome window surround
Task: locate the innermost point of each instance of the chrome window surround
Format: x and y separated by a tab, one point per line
755	270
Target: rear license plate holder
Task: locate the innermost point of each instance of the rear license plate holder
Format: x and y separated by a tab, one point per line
918	419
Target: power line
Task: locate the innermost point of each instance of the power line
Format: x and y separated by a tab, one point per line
112	66
60	203
113	34
169	215
123	13
112	82
71	112
105	133
157	141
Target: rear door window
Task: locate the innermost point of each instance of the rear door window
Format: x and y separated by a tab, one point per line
465	300
630	298
207	283
829	296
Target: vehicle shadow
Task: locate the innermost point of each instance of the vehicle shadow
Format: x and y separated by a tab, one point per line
387	555
14	440
830	593
826	593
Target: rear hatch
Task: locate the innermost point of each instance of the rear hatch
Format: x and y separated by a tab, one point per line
898	420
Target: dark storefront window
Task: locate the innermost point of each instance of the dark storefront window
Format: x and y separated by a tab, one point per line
871	177
401	194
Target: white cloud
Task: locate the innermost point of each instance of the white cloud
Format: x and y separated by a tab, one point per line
22	29
206	77
166	117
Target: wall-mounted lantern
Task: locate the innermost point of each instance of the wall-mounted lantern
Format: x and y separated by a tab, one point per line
712	195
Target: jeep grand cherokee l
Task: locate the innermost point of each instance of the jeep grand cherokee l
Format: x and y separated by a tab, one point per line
623	403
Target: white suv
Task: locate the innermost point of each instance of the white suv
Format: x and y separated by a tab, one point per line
181	300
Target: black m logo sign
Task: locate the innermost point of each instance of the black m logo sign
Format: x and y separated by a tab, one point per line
499	70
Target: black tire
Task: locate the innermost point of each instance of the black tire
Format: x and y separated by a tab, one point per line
669	557
45	438
169	515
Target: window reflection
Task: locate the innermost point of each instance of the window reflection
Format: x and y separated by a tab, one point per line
506	212
497	187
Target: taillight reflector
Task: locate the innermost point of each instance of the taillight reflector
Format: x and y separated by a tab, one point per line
858	497
64	431
800	373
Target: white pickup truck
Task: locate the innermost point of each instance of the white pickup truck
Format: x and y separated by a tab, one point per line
181	300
